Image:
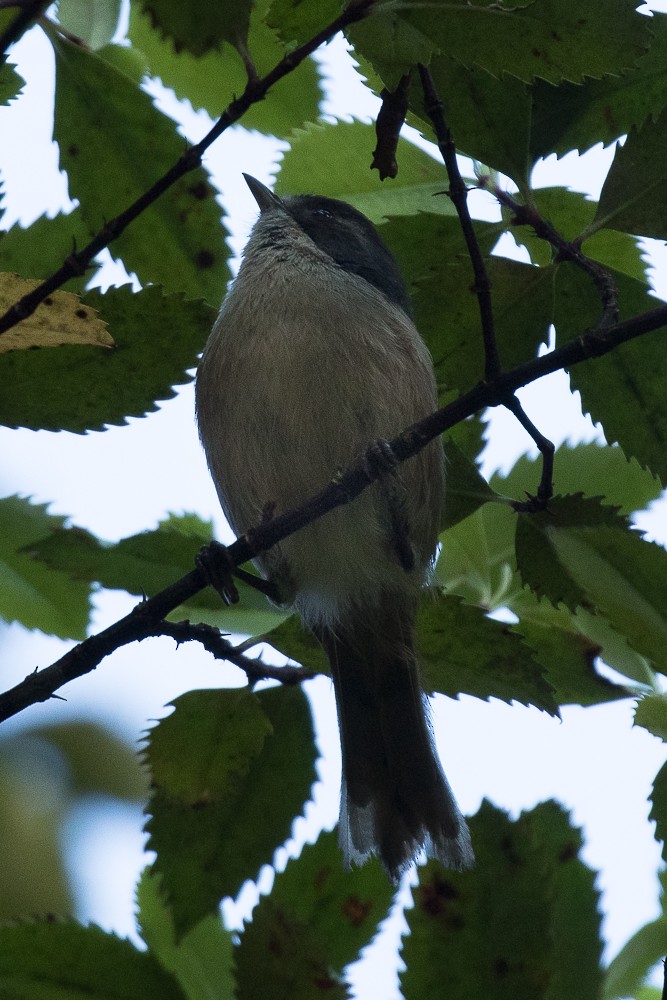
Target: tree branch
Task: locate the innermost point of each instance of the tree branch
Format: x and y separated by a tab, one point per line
30	11
256	89
458	193
146	618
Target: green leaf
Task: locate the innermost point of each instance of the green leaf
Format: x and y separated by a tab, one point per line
659	809
477	560
230	771
553	39
579	116
202	961
129	145
651	713
592	469
39	250
30	593
316	921
147	562
581	553
11	84
447	315
292	640
463	651
78	388
628	970
92	21
347	148
633	197
297	21
466	487
215	79
225	22
64	961
522	925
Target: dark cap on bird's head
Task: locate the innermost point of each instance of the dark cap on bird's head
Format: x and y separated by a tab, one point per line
344	233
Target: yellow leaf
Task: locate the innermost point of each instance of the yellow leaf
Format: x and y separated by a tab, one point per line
60	319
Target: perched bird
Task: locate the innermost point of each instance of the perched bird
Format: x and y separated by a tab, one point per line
313	357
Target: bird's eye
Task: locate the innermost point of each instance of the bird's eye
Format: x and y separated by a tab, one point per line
324	212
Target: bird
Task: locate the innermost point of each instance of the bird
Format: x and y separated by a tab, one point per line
314	360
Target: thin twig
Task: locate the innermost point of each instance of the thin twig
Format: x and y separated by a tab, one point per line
458	193
144	619
30	12
546	448
526	215
256	89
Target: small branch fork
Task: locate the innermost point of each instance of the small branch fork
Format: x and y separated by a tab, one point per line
147	617
256	89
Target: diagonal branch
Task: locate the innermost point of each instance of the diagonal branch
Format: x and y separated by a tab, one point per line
256	89
29	13
147	617
459	197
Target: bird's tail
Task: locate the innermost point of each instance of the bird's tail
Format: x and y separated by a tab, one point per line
395	798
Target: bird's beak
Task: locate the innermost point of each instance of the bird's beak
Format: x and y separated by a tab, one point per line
264	196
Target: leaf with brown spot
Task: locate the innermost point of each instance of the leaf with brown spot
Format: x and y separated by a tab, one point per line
59	320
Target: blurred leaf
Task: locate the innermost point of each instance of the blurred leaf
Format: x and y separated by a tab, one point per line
179	242
40	249
633	197
98	761
65	961
30	593
215	79
126	58
315	922
202	961
230	771
77	388
628	970
347	148
466	487
297	21
522	925
292	640
553	40
659	809
477	560
226	22
93	21
60	319
463	651
11	84
589	468
651	713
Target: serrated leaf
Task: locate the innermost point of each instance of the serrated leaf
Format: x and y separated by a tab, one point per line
202	961
11	84
147	562
93	21
461	650
582	553
522	925
553	39
30	593
633	197
624	389
347	148
321	916
659	808
592	469
215	79
77	388
226	22
39	250
297	21
230	771
178	242
579	116
651	713
628	970
59	320
466	487
65	961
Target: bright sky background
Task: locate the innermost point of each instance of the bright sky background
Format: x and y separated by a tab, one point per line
125	479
